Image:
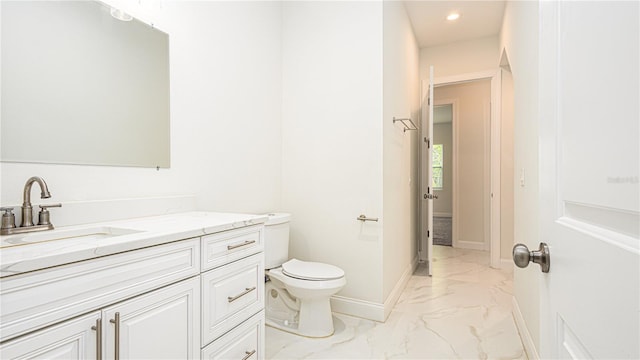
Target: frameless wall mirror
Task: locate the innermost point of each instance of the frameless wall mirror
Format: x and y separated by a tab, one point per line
82	87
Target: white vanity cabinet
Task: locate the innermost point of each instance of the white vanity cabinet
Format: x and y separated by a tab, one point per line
33	301
199	297
162	324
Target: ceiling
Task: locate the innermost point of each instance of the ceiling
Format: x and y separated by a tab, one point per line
477	19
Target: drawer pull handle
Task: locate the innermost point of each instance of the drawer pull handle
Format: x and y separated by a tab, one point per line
98	329
248	242
116	322
249	353
245	292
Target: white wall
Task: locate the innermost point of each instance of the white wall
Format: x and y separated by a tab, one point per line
443	205
471	111
400	149
462	57
228	90
225	62
519	38
342	154
332	168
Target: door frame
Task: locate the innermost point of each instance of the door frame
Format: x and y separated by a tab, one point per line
493	220
425	245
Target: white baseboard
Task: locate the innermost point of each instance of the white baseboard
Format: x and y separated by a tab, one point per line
527	340
469	245
506	265
359	308
372	310
394	295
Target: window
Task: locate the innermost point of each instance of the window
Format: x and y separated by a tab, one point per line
436	165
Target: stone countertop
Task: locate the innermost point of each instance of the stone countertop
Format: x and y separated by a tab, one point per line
17	257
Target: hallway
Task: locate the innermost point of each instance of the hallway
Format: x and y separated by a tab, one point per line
463	312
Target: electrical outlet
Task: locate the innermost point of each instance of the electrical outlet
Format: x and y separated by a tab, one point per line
522	177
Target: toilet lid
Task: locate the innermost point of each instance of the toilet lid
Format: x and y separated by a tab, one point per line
306	270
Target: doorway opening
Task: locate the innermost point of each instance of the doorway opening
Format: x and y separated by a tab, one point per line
471	106
442	170
476	173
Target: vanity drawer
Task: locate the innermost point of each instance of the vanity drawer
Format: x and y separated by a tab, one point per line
243	342
32	300
224	247
231	294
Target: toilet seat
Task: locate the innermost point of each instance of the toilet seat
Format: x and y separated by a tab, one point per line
313	271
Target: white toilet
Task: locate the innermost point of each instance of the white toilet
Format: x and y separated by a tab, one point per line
297	292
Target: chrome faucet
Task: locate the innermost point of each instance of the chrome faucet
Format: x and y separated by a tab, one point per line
27	225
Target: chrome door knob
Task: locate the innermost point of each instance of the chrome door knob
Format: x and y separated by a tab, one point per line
522	256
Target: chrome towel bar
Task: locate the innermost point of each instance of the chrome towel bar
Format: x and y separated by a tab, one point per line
408	124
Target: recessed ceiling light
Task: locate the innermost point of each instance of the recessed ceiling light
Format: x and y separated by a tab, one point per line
453	16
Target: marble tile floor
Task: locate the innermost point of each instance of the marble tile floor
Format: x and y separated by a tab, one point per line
462	312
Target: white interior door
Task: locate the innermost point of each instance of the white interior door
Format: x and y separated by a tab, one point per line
589	146
427	172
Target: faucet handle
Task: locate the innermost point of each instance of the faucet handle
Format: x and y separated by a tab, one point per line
43	215
45	207
8	218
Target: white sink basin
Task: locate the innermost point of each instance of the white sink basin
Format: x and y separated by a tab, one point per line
95	233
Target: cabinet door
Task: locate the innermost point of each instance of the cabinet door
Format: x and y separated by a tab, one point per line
162	324
72	339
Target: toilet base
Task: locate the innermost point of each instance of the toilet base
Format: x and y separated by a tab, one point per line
310	317
292	328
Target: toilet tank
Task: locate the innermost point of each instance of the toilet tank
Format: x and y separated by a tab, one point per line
276	240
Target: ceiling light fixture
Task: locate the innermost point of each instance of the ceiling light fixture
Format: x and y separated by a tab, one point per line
453	16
